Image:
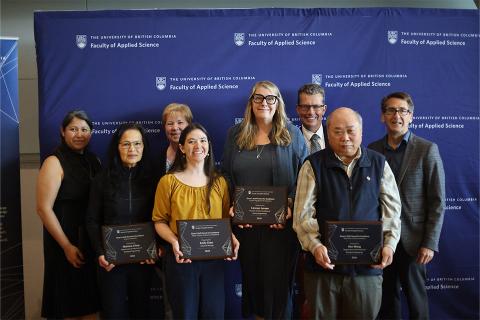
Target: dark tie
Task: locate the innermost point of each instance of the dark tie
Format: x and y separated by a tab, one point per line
315	144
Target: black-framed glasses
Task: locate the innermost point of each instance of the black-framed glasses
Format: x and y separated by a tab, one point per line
127	144
316	107
401	111
258	98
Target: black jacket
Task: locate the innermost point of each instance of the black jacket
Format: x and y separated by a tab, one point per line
124	199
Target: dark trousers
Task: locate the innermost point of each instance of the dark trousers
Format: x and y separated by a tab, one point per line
126	291
404	273
336	296
195	290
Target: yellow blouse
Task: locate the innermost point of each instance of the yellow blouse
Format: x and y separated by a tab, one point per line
175	200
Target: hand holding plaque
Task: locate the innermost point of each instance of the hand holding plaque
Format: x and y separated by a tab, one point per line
260	205
129	243
205	239
354	242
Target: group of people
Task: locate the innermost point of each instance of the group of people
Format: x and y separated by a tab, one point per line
328	174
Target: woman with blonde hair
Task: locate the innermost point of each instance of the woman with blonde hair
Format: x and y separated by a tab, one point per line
175	118
265	149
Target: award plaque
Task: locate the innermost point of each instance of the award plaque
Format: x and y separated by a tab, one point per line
129	243
205	238
260	205
354	242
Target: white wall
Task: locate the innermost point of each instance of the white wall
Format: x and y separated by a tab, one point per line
16	20
32	245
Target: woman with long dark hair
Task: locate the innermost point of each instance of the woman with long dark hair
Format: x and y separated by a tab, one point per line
192	189
63	186
121	195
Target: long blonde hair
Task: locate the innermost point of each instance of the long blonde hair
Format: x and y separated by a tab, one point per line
279	134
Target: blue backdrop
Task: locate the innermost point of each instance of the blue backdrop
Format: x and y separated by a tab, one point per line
12	301
127	65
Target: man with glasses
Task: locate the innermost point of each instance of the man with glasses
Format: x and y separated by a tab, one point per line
310	108
418	170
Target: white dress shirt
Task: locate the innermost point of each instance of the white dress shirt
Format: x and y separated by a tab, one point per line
307	134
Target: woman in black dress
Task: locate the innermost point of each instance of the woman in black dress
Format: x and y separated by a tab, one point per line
69	286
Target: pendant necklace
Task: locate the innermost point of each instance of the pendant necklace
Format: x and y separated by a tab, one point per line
261	150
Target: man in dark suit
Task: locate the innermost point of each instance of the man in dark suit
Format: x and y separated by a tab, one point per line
420	177
311	108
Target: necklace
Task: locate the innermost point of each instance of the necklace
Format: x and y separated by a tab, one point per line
261	150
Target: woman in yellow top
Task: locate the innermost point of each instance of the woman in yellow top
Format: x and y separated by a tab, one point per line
192	190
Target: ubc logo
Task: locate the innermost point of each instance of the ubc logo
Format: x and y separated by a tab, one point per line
239	39
81	41
238	290
238	120
317	78
392	36
161	83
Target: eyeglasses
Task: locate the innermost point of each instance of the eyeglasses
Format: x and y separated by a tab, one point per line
258	98
76	130
401	111
316	107
127	144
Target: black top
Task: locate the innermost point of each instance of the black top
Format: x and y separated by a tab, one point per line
395	156
72	198
74	293
163	161
258	163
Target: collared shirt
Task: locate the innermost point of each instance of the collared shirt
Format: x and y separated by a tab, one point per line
305	223
395	156
307	134
349	167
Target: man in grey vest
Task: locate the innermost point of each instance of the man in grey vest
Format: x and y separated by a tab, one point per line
345	182
420	177
311	108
